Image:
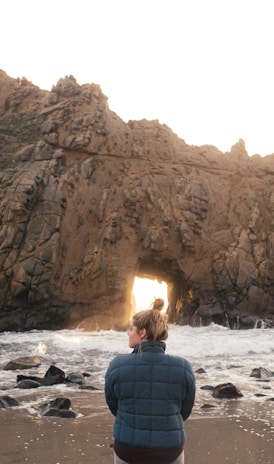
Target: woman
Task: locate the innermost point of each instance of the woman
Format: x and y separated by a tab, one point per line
151	394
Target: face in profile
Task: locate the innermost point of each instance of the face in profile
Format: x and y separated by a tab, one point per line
135	336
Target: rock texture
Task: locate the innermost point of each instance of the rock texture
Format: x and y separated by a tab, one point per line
88	202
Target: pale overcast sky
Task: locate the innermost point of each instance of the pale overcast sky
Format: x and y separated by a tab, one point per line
203	67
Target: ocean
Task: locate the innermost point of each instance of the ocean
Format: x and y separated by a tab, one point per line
225	356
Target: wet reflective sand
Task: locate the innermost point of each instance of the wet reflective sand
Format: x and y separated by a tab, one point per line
237	437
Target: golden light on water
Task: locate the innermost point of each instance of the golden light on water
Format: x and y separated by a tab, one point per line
146	290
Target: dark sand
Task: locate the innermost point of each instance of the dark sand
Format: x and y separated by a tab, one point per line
229	437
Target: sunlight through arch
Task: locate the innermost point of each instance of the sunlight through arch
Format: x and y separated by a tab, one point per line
144	291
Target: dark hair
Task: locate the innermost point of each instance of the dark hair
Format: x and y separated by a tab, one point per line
154	322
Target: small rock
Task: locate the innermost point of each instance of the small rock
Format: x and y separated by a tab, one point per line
88	387
76	378
207	406
259	372
60	413
8	402
201	370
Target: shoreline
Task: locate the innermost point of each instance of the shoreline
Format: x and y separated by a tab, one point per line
237	436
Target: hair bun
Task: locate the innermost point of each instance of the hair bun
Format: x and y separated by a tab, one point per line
158	304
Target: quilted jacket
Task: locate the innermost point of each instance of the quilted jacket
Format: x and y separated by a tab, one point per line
151	393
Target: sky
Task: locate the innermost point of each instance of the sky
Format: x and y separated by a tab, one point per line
202	67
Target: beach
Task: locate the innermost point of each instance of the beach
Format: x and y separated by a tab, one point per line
231	437
219	431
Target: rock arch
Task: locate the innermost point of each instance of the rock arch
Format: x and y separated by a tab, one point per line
167	270
88	202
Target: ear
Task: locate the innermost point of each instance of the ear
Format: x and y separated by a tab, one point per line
143	333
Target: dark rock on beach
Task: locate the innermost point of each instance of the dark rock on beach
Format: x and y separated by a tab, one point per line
24	363
208	406
8	402
59	413
53	376
57	403
28	383
201	370
60	407
226	390
75	378
261	372
88	387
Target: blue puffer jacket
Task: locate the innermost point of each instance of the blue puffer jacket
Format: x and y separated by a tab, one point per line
151	394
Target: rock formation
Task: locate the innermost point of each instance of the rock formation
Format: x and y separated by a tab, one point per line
88	202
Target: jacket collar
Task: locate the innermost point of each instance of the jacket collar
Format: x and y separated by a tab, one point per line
150	346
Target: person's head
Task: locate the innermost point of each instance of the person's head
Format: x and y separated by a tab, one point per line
148	325
158	303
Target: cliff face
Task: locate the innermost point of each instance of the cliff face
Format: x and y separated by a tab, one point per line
88	202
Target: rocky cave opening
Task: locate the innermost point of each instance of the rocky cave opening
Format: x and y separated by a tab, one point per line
158	270
146	289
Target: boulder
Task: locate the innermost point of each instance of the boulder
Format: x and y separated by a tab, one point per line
57	403
24	363
27	383
226	390
53	376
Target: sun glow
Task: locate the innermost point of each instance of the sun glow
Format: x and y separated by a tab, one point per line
146	290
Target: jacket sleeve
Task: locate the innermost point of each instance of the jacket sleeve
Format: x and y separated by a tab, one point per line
189	399
111	399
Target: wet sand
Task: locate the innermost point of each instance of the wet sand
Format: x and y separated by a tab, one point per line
212	438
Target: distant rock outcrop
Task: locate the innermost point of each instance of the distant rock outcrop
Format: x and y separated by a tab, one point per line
88	202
